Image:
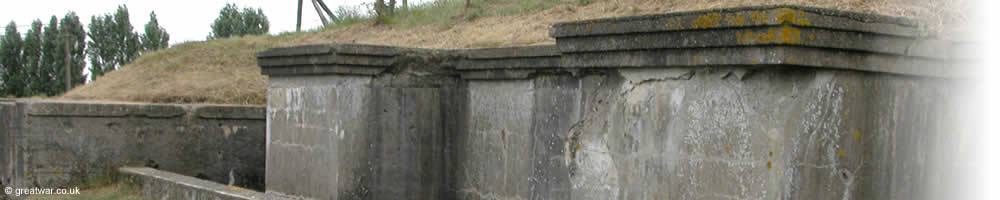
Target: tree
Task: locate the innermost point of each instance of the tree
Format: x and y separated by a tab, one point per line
130	44
102	46
113	43
228	23
31	57
232	22
255	22
73	36
383	11
10	54
52	58
155	36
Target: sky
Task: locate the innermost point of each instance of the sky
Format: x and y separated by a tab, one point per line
184	20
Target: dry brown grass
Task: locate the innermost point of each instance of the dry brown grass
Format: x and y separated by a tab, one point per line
225	71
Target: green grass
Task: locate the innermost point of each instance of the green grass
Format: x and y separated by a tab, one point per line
437	12
107	192
522	6
444	13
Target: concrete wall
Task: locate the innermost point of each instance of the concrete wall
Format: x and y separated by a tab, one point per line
8	124
710	133
772	102
157	184
354	136
58	143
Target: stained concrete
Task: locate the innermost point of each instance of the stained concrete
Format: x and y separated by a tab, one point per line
350	135
814	104
769	134
59	143
155	184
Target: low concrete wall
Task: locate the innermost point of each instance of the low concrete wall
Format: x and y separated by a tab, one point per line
57	143
772	102
8	125
156	184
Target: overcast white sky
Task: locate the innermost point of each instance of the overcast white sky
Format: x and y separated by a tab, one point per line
185	20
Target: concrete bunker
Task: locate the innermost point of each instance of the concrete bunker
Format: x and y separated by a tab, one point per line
768	102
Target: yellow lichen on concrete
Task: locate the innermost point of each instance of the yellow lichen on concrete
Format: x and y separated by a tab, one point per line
784	34
238	188
735	20
707	21
791	16
758	18
672	24
790	35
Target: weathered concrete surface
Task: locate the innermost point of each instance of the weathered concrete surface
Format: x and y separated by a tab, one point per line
742	17
352	135
157	184
771	134
850	106
9	122
759	36
56	143
772	102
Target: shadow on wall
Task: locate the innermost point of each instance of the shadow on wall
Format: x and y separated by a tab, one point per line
60	143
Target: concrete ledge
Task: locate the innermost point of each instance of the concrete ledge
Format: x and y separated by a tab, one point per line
327	59
785	35
83	109
508	62
357	59
767	56
161	111
498	74
739	17
370	50
512	52
230	112
105	109
316	49
778	35
158	184
321	69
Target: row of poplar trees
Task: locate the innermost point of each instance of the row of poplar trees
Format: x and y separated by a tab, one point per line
35	64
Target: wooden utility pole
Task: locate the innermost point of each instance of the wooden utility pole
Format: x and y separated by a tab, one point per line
323	5
298	23
69	84
319	11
